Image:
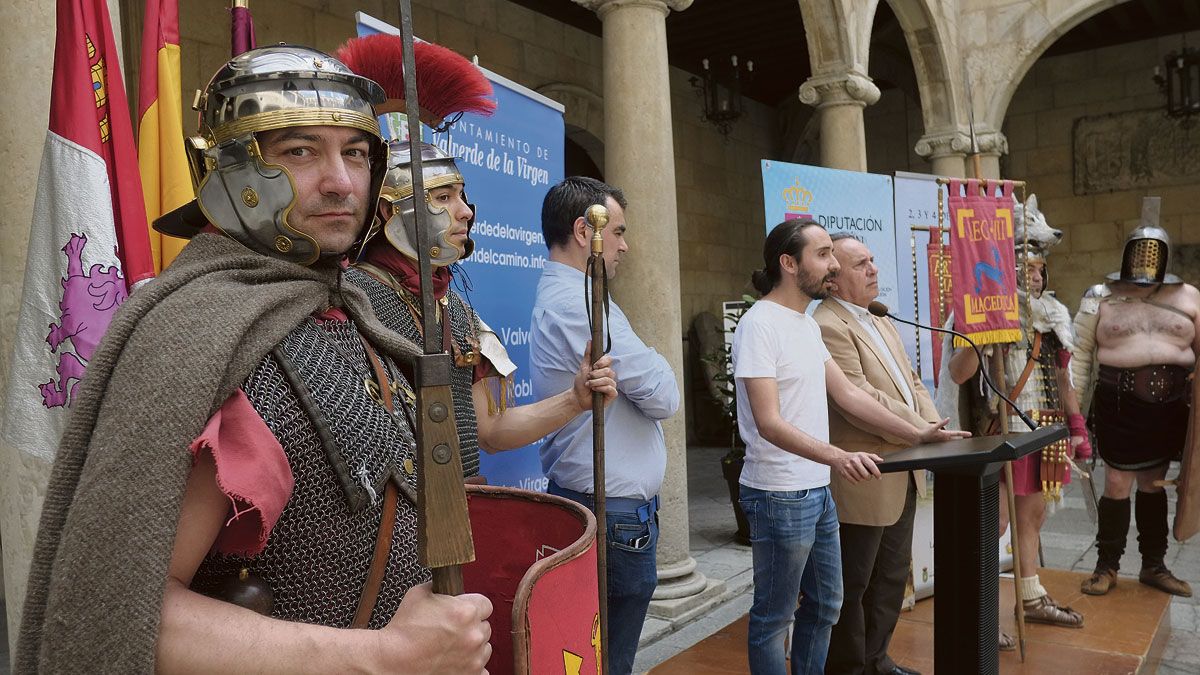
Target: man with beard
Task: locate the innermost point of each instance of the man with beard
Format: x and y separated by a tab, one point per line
636	454
876	518
229	483
783	374
1137	338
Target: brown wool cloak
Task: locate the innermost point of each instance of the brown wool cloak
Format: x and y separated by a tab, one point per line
175	351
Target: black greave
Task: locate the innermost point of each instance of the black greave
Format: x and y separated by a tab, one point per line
1113	529
1150	512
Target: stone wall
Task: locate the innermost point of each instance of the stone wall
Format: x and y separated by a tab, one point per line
1056	94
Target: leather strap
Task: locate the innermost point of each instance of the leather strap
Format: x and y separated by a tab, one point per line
994	425
387	524
1033	357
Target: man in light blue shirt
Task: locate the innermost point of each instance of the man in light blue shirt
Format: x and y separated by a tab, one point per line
647	392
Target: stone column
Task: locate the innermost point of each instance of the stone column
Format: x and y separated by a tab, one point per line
839	99
992	144
946	152
639	158
26	60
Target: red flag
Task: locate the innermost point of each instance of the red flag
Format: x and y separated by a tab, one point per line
937	256
983	267
241	32
88	243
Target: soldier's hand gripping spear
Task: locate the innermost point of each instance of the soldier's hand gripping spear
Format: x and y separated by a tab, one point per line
597	219
441	497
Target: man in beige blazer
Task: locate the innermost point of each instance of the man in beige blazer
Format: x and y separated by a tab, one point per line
876	516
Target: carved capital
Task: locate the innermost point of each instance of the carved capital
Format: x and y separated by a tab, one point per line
849	88
945	144
991	142
603	7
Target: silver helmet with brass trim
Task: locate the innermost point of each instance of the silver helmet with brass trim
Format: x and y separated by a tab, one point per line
274	87
1144	261
439	170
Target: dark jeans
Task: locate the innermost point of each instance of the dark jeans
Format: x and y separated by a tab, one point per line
632	576
875	563
797	559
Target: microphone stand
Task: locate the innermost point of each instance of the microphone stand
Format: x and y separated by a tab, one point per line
880	309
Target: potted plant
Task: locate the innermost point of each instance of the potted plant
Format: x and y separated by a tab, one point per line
723	382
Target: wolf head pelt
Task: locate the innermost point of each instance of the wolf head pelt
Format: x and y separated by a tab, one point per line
1033	226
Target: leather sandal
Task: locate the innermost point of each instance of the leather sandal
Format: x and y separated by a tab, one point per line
1006	642
1101	582
1046	610
1161	578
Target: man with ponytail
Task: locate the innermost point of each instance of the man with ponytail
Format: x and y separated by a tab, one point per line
783	374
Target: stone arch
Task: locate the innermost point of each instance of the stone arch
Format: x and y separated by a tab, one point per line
931	47
1036	32
838	33
583	117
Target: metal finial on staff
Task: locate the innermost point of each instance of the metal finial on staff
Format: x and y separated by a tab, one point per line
597	218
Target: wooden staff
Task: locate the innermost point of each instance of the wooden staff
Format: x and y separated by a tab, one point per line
443	526
997	366
597	218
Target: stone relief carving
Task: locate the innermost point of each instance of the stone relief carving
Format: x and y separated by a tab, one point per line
1136	149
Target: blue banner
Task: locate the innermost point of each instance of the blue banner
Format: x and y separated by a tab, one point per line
840	201
509	161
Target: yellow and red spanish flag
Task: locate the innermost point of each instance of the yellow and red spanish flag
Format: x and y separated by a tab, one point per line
166	182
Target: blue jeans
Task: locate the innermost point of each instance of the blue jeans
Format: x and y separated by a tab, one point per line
797	557
632	577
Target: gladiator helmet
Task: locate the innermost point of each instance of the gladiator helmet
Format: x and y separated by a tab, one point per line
263	89
439	170
1144	262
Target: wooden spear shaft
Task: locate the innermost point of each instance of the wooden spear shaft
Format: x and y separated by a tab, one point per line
997	366
597	218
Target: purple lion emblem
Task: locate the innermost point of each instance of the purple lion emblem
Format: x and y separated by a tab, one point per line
87	307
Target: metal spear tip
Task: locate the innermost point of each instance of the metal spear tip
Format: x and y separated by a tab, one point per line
596	216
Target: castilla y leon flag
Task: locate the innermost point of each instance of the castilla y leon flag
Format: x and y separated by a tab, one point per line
88	244
161	155
982	262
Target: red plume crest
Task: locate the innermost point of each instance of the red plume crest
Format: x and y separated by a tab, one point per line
447	83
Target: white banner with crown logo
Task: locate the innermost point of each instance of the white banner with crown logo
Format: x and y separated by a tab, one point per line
840	201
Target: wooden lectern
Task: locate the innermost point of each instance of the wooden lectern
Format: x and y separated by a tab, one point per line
966	564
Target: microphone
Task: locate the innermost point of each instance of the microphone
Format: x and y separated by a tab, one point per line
879	309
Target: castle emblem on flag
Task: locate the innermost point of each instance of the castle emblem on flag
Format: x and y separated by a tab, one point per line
98	87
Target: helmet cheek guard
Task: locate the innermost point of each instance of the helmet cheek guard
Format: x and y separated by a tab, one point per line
277	87
439	170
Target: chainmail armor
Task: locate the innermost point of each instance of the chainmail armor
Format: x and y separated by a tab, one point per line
319	552
394	313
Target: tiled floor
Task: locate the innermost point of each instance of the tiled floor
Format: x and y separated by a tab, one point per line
1066	545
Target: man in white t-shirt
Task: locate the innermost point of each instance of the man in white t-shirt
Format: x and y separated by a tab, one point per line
783	373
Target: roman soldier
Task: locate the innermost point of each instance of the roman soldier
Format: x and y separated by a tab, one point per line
236	479
448	85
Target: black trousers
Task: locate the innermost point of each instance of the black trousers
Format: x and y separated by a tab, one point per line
875	562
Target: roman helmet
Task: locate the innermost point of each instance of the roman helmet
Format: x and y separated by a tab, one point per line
268	88
447	86
438	170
